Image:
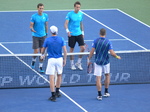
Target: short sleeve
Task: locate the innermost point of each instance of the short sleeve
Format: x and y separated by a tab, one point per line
94	44
45	43
68	16
63	42
32	19
110	45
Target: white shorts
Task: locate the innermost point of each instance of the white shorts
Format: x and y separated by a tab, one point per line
54	65
99	69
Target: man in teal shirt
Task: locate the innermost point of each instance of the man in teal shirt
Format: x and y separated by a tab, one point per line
75	31
39	28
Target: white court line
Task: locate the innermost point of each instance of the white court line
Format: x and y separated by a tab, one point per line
28	42
133	18
42	77
114	31
55	10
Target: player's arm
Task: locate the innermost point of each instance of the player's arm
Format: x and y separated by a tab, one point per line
46	28
31	27
91	54
65	55
82	28
114	54
66	27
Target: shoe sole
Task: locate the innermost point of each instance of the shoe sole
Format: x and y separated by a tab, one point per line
52	100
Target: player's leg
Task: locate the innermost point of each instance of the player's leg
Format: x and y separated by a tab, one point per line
98	74
52	87
41	41
35	46
71	44
59	69
50	70
80	41
107	79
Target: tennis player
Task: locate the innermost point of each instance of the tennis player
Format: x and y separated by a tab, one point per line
56	61
75	31
39	29
102	46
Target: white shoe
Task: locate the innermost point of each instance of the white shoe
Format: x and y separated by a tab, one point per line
79	66
73	67
99	97
106	95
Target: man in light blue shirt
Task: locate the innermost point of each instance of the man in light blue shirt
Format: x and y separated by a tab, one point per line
39	28
75	31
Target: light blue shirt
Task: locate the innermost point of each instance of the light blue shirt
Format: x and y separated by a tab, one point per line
74	22
54	46
102	46
39	24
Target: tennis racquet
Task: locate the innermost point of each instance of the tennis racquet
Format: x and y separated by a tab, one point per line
89	64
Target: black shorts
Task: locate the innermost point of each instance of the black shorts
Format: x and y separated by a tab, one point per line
73	39
38	42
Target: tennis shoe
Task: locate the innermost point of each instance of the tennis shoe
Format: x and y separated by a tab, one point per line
106	94
79	66
99	97
58	94
41	70
52	98
32	64
73	67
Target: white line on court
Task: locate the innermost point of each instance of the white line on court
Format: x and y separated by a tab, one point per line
28	42
54	10
114	31
42	77
133	18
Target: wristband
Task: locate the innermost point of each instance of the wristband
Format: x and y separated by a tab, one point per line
117	56
82	32
67	30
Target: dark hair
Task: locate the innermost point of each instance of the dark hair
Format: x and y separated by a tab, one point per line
102	32
40	4
77	3
54	33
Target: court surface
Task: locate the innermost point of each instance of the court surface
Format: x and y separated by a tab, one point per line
125	33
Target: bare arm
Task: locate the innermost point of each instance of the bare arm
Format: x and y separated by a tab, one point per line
46	27
65	55
114	54
91	53
66	27
82	28
31	27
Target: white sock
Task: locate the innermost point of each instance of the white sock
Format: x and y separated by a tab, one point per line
79	60
40	65
34	59
72	62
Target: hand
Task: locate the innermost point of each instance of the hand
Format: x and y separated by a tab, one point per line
32	30
42	57
88	61
69	35
119	57
64	62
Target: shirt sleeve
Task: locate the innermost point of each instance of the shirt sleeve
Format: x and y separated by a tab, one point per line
68	16
45	43
110	45
47	18
32	19
63	42
94	44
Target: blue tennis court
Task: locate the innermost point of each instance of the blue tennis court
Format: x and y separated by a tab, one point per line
126	34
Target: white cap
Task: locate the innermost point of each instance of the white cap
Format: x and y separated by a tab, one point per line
53	29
